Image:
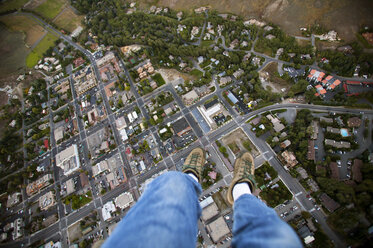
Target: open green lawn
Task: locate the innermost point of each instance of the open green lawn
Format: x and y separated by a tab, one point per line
11	4
50	9
37	53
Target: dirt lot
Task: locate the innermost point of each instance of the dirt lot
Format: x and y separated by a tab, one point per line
345	16
33	31
74	232
170	75
237	137
271	78
68	20
303	43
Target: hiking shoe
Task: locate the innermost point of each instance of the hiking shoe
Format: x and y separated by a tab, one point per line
243	172
194	162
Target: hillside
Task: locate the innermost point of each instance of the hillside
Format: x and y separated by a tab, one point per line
344	16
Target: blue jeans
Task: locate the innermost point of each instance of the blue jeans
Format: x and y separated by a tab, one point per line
166	215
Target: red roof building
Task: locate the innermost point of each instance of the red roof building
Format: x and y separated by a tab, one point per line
46	144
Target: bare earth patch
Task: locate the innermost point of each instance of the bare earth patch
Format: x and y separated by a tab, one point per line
237	137
270	78
170	75
74	232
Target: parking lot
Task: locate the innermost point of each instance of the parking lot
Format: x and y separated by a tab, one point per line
288	210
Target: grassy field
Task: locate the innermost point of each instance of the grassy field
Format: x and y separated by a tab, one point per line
33	31
50	8
68	20
303	43
11	4
37	53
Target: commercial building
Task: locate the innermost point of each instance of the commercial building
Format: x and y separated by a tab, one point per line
40	183
218	230
18	229
124	200
46	201
190	97
210	211
70	186
68	159
209	111
99	168
84	80
13	199
120	123
62	88
181	126
107	210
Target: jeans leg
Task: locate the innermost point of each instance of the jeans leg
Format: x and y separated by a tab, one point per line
257	225
166	215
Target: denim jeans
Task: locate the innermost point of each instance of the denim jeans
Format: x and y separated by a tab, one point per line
166	215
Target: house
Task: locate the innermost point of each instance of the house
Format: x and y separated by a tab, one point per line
311	150
237	74
334	170
336	144
302	172
285	144
289	158
328	203
315	76
356	170
354	122
225	80
326	120
315	130
270	37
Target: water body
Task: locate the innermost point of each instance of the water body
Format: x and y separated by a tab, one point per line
13	52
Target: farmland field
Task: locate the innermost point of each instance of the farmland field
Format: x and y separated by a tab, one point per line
40	49
47	8
68	20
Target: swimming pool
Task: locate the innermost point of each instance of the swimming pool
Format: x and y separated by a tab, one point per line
344	132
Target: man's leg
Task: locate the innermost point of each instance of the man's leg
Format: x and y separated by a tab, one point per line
166	215
255	224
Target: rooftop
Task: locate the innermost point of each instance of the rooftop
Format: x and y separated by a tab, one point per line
210	211
68	159
123	200
180	125
218	229
329	203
